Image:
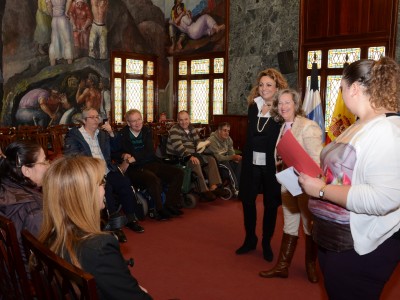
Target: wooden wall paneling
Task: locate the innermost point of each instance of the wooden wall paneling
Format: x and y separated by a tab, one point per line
238	128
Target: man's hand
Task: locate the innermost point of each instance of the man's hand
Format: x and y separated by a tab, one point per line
236	157
194	160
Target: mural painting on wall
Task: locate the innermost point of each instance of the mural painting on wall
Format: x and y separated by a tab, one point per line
55	58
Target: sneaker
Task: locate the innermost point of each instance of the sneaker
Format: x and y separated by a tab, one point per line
207	196
163	215
134	226
119	235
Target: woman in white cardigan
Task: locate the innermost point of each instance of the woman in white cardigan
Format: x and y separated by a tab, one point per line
356	206
287	109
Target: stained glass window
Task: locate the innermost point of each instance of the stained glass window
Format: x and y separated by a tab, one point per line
117	65
200	66
200	100
337	57
183	67
150	100
375	53
118	99
314	56
150	68
134	66
332	91
134	94
219	65
182	95
218	101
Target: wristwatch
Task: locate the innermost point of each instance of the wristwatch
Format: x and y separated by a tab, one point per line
322	191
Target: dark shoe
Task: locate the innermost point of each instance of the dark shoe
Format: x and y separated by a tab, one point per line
120	235
267	251
248	245
207	196
175	212
134	225
221	192
163	215
286	253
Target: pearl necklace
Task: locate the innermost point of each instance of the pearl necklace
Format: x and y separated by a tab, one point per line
258	124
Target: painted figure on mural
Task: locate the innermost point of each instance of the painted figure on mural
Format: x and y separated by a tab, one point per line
61	45
81	19
174	31
42	32
98	31
41	107
105	104
88	93
69	86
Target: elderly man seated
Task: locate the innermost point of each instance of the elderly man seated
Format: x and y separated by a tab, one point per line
89	140
183	140
221	146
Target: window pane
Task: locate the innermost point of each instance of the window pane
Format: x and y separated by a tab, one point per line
200	66
134	66
182	95
218	97
150	68
332	91
117	65
183	68
375	53
314	56
218	65
134	94
200	101
150	100
118	99
337	57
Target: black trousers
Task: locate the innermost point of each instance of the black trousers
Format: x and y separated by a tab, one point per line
153	176
262	176
118	184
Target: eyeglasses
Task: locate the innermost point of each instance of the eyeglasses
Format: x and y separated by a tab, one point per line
103	182
94	117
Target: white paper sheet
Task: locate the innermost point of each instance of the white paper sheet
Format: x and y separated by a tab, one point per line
290	179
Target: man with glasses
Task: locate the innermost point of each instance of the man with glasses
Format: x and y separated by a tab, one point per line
145	169
90	141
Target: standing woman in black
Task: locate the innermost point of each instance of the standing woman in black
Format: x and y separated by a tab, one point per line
258	170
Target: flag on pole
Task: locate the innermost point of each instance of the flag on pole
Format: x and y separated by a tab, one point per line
341	118
312	101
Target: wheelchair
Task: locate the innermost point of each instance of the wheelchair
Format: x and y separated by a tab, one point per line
228	182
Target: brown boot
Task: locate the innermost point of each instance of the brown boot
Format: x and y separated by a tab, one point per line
286	252
311	257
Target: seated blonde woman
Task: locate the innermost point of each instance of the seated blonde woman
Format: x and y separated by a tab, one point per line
73	195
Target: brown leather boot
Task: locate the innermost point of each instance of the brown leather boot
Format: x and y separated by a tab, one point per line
286	252
311	257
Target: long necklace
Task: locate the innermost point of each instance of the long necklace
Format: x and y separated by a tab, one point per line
258	124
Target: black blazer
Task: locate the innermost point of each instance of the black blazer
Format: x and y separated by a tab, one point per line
101	257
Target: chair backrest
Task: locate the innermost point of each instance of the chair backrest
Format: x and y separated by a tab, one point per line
14	282
53	277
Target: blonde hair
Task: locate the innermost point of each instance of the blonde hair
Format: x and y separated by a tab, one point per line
275	75
298	109
71	211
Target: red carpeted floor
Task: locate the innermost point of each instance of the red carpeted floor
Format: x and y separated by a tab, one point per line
192	258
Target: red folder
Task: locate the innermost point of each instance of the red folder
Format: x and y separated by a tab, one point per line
294	155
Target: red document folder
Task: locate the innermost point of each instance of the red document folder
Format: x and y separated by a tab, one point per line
294	155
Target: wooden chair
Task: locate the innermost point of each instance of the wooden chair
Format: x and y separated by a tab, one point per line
42	139
14	283
57	135
6	139
53	277
28	132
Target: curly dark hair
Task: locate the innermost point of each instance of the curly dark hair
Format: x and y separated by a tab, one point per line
381	80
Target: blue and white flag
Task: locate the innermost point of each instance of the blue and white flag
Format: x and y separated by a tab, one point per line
312	101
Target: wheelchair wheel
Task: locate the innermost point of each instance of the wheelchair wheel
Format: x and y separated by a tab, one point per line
228	195
142	203
189	201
